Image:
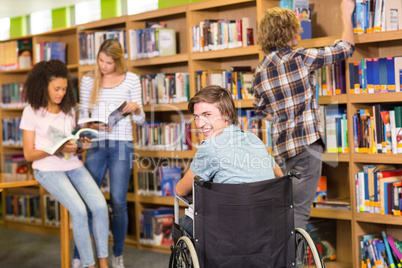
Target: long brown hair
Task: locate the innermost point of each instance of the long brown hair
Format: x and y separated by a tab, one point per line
219	96
36	86
113	49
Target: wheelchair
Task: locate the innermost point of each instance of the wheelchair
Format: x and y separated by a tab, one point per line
242	225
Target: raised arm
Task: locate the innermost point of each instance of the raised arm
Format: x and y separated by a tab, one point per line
347	8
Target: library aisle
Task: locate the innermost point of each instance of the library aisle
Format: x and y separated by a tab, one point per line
30	250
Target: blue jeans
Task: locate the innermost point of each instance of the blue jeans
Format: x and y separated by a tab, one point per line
117	156
77	191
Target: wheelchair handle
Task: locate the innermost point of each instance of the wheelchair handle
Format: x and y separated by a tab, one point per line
198	180
294	173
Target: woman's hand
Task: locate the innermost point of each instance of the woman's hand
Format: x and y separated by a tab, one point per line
66	149
85	143
131	107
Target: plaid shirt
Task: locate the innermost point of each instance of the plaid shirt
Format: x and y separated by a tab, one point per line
283	87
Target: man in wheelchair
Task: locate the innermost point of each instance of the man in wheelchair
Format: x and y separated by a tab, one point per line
243	215
227	154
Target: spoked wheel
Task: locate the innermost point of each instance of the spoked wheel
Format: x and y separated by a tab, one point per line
307	254
183	254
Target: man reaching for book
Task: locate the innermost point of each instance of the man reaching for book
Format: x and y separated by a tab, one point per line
284	93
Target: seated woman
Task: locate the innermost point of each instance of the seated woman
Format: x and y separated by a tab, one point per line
227	154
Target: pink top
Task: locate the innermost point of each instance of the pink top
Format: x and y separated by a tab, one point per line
39	121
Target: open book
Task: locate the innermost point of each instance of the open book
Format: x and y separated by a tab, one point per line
114	117
58	138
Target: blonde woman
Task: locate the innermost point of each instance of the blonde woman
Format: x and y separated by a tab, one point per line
101	92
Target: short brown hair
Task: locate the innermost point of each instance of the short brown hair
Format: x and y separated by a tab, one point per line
222	97
277	28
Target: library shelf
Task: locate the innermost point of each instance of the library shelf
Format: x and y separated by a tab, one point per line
12	147
178	58
131	240
17	71
338	214
226	53
375	98
13	109
336	157
72	67
378	37
333	99
247	103
166	107
86	68
4	185
377	158
158	200
378	218
165	154
203	5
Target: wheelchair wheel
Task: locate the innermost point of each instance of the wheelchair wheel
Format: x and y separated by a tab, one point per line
307	254
183	254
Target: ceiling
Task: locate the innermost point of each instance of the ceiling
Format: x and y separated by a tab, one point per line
16	8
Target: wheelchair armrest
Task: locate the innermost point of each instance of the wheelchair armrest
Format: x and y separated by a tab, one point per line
198	180
294	173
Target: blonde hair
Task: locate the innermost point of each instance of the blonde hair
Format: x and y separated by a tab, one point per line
113	49
277	28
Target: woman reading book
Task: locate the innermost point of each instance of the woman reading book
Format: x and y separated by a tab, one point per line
50	108
103	91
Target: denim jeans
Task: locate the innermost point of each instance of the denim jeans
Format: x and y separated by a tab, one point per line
77	191
117	156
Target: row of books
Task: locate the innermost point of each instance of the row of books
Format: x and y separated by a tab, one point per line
23	207
165	88
376	75
220	34
156	226
12	134
303	13
16	168
331	80
335	124
161	181
378	130
321	199
238	81
15	55
164	136
11	95
380	250
45	51
375	190
89	43
377	16
152	42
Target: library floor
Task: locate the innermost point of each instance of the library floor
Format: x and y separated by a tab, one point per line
30	250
